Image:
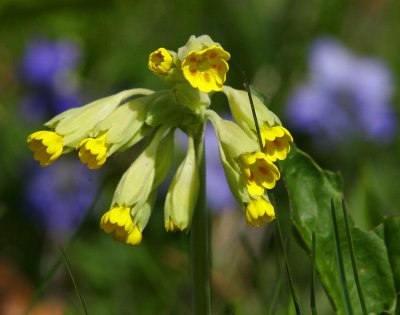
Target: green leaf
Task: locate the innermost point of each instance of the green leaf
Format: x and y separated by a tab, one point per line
389	230
310	191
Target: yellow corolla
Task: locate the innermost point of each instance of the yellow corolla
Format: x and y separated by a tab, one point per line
206	69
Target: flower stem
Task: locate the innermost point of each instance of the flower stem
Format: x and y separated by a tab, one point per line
200	249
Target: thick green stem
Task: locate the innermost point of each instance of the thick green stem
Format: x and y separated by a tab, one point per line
200	261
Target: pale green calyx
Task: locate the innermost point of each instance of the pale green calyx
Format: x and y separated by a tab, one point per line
141	212
232	138
137	182
192	98
182	193
124	124
239	105
233	142
195	44
76	124
165	110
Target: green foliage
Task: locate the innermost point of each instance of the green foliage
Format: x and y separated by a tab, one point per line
311	190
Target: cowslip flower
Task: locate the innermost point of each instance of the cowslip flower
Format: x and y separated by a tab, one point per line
194	73
346	96
276	138
160	61
260	173
46	145
118	221
135	192
258	211
75	124
276	142
119	130
204	63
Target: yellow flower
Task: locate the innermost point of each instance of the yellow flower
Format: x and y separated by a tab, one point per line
260	173
276	142
93	151
259	211
46	145
118	222
160	61
206	69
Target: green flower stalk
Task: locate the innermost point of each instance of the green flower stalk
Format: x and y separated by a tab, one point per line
115	123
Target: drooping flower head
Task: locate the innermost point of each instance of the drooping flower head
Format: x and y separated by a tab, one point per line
115	123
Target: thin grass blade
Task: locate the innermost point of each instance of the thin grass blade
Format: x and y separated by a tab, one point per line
73	280
353	259
342	275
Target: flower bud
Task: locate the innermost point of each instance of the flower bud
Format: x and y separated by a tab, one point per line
182	193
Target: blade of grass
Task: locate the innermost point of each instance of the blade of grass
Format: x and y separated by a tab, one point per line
294	296
342	275
253	109
277	289
353	259
73	280
312	294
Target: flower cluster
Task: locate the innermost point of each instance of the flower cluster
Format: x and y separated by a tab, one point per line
347	96
117	122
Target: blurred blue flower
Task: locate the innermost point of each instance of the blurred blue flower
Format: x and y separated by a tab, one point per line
219	196
346	96
46	62
46	69
58	197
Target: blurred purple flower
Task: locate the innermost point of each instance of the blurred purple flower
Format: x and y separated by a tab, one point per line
45	68
219	196
58	196
346	96
45	61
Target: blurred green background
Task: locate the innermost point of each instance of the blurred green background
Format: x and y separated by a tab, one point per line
269	40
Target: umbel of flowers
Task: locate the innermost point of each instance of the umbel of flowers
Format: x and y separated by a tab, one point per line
115	123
